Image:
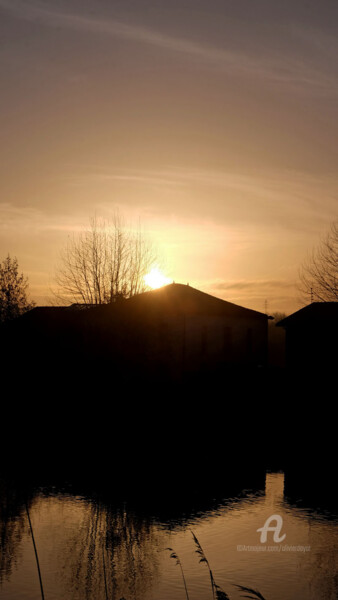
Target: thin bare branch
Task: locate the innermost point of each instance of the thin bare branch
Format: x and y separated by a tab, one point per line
105	262
319	273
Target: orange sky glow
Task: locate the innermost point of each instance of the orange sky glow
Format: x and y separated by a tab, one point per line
213	124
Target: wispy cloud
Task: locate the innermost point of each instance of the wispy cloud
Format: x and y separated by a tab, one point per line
298	200
315	39
290	72
272	295
29	220
259	285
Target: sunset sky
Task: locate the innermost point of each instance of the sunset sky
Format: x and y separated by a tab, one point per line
213	123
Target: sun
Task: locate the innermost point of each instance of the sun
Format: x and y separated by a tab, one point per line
156	279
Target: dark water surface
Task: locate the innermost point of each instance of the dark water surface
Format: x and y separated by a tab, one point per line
80	539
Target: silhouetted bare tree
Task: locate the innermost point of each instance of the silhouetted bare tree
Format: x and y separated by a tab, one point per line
13	290
319	273
105	262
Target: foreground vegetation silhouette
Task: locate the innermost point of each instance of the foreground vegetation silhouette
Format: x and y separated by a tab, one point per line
217	592
103	263
318	274
13	290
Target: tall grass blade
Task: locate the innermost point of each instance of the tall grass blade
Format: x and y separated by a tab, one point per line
254	594
35	551
204	559
220	594
217	592
175	556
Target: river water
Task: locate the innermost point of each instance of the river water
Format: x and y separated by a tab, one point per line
88	549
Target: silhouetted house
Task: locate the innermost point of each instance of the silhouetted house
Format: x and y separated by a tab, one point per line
311	336
44	334
166	332
178	329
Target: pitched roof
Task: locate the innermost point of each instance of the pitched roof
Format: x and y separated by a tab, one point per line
179	298
317	312
169	300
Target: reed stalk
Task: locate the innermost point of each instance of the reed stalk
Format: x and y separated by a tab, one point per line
255	594
35	551
175	556
204	559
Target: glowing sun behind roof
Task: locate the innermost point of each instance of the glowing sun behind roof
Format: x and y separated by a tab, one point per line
156	279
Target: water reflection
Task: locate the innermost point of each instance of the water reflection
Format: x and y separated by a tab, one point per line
81	539
274	488
13	527
119	544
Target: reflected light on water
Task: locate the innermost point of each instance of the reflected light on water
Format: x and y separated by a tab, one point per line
274	488
76	535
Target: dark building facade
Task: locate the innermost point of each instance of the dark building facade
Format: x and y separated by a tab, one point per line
178	329
171	331
311	336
